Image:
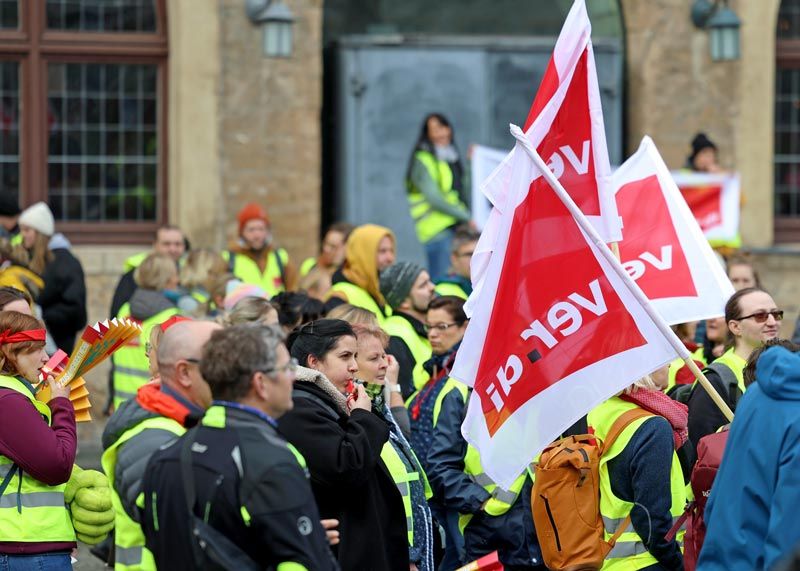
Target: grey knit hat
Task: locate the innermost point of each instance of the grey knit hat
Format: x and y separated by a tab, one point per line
397	280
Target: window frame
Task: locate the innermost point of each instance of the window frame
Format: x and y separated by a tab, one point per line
34	47
787	56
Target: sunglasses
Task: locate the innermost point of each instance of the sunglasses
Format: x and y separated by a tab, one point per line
762	316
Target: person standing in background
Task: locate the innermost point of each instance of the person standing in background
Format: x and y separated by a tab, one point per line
435	181
63	299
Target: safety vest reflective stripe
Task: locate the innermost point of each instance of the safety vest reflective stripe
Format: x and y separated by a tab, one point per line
361	298
402	478
271	280
128	536
501	499
128	556
133	372
427	221
612	524
33	500
420	347
31	511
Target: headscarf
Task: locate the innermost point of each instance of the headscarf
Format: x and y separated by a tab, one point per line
360	267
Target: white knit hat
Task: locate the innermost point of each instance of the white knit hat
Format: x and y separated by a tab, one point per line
39	218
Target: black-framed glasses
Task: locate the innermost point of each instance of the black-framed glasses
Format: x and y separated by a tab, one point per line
439	326
290	367
191	360
762	316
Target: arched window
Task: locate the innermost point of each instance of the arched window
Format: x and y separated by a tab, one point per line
787	123
83	86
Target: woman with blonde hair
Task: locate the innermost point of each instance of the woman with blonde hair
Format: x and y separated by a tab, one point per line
35	522
251	310
197	276
379	373
149	305
353	315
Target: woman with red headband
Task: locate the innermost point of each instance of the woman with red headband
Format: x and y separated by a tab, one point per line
37	450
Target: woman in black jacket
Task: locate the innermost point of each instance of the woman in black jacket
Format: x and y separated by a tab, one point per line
63	299
341	441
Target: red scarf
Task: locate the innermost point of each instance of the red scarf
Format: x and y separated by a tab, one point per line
676	413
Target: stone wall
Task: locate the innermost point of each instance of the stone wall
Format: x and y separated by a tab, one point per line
270	140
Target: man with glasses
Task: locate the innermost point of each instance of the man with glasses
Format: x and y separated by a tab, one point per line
248	487
158	415
752	318
458	281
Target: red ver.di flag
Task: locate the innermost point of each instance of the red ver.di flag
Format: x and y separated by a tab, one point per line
553	333
663	248
714	199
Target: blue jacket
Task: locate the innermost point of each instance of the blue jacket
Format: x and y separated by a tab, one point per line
752	513
511	534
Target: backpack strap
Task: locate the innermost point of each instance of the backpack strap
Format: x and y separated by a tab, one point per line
729	380
281	269
189	492
619	425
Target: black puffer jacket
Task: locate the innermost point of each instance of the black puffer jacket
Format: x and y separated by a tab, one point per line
63	299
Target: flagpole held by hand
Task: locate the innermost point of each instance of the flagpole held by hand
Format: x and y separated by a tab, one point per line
613	260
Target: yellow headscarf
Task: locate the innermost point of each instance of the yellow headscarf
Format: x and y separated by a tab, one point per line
360	264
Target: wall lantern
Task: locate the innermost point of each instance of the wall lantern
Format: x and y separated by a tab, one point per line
723	26
277	19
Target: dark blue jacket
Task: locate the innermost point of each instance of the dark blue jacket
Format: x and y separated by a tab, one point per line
752	514
511	534
641	474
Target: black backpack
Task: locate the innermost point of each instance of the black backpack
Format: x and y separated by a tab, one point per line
682	393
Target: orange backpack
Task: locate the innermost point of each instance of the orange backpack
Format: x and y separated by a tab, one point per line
565	500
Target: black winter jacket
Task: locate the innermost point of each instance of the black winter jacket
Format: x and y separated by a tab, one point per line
63	298
245	464
349	481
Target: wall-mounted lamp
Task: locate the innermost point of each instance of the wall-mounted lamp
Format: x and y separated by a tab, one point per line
277	19
723	26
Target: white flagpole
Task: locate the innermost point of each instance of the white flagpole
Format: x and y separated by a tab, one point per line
634	288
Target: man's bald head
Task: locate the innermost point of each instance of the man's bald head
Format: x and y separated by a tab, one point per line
179	353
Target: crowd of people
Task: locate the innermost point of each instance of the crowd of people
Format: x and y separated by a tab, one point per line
281	416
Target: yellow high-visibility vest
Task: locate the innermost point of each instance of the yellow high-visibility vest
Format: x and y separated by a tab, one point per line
629	553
